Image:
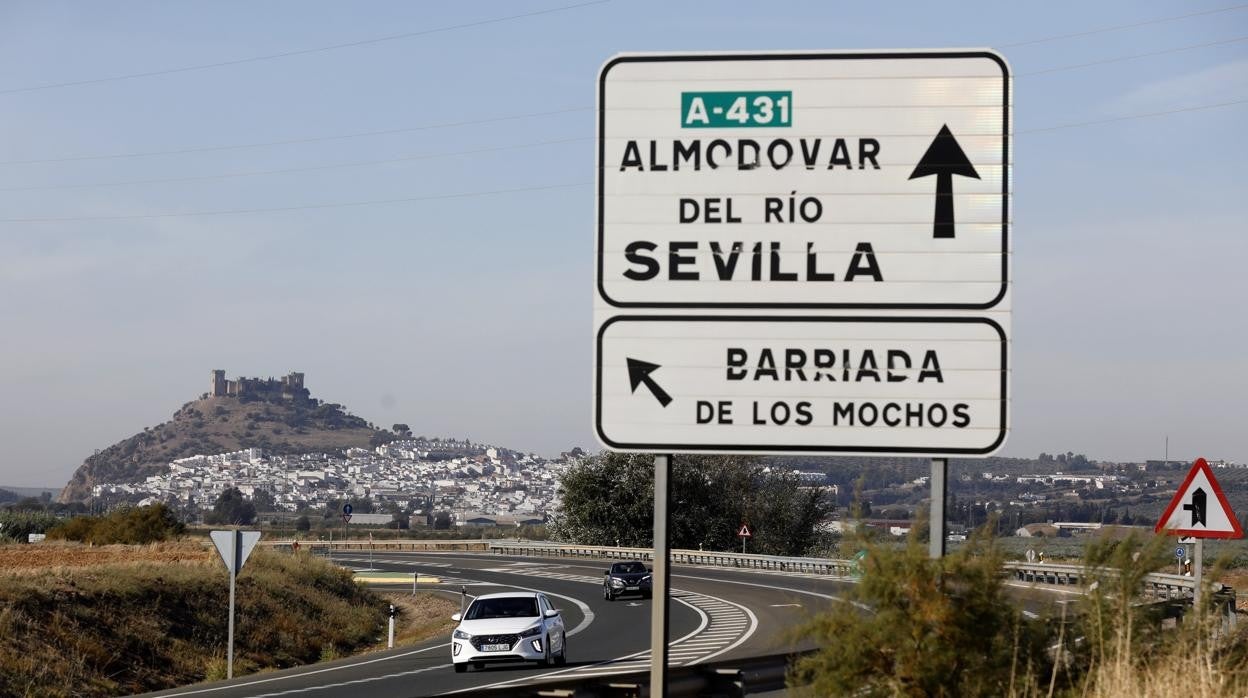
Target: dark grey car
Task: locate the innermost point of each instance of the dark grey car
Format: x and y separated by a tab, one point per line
626	578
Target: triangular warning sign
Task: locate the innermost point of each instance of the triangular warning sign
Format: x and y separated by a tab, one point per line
235	547
1200	508
745	532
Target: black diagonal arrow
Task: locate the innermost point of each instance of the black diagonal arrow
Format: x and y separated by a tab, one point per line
944	158
639	373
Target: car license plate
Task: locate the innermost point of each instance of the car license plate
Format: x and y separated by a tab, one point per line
632	588
495	648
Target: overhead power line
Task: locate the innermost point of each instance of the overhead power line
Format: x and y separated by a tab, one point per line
301	52
1132	57
318	139
1120	27
475	194
297	141
308	207
290	170
1148	115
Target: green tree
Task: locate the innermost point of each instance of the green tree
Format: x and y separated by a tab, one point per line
441	521
303	523
264	501
609	500
401	428
232	509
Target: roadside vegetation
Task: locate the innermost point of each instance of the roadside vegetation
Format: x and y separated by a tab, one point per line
77	623
918	627
609	500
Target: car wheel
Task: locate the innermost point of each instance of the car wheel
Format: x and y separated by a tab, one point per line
461	667
647	595
562	659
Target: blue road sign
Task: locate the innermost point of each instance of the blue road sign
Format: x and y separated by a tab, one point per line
1178	552
346	509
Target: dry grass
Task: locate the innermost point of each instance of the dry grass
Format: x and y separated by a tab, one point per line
152	617
47	556
421	617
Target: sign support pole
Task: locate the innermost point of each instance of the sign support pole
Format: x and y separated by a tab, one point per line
660	579
936	526
1198	563
236	549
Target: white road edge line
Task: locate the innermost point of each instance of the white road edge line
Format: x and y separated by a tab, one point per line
301	674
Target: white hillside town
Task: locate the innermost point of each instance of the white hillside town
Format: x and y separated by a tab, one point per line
475	483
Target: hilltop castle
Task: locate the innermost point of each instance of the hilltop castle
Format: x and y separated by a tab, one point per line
288	386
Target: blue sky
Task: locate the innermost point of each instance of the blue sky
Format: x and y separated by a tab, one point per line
471	316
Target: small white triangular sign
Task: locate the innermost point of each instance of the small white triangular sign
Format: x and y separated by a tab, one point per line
745	532
1200	509
225	542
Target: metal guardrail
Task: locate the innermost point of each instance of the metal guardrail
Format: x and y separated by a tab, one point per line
418	545
1157	584
813	565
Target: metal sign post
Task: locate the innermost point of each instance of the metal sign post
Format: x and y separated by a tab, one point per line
660	578
936	526
234	548
1198	563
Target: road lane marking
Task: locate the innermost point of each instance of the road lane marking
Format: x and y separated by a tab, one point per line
301	674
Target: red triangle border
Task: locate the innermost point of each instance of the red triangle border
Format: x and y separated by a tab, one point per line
1198	466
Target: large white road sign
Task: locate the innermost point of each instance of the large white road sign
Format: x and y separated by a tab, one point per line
803	252
838	180
814	384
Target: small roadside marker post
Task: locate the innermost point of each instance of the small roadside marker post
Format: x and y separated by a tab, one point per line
234	548
390	638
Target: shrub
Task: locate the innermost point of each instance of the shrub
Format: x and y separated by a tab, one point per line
129	525
921	627
17	525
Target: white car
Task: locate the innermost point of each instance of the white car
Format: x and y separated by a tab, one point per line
517	626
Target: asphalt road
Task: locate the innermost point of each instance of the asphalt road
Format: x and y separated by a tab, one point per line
716	615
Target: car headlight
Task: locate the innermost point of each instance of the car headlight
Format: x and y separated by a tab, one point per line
535	630
617	582
461	635
645	578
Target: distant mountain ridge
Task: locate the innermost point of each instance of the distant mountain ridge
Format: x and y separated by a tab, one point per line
244	413
29	491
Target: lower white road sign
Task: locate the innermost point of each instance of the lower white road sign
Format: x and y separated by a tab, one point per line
754	384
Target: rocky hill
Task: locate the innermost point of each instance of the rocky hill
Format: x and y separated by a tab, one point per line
217	424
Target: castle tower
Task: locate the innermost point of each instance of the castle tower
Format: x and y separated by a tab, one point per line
218	383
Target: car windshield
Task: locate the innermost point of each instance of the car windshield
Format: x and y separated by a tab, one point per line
628	568
503	607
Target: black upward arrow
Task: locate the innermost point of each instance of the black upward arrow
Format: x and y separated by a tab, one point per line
944	158
639	372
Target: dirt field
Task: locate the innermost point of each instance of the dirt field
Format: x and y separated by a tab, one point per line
43	556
